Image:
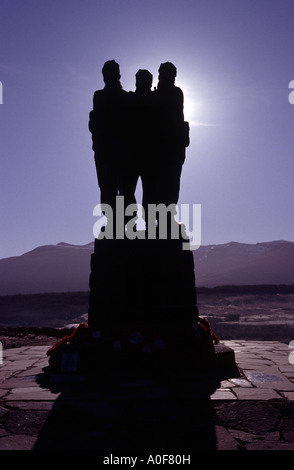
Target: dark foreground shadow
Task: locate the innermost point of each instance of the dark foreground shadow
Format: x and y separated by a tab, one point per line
119	412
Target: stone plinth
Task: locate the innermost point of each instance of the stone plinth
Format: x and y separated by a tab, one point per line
143	315
141	281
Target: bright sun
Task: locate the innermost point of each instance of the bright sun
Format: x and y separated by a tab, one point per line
191	104
189	110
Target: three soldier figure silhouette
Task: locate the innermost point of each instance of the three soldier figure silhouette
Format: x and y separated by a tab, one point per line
139	134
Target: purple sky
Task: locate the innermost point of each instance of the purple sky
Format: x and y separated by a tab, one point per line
235	61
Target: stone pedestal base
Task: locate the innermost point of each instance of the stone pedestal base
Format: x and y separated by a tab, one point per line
142	282
143	305
143	315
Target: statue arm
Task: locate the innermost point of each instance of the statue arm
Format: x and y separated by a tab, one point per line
94	114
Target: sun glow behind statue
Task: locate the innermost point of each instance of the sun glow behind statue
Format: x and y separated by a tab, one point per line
194	106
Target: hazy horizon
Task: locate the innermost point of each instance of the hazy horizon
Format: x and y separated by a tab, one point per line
65	268
92	243
234	66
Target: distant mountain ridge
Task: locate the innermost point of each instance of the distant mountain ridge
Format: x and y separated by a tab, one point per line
245	264
66	268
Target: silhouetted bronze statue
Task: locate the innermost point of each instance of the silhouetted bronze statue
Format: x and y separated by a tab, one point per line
145	128
139	134
105	124
174	134
137	137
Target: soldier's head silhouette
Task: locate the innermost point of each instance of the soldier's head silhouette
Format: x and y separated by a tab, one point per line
111	72
167	73
144	80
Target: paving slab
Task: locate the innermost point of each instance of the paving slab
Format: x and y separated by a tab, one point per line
17	442
223	394
31	393
256	394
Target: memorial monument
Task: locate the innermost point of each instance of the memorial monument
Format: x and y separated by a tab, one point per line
143	312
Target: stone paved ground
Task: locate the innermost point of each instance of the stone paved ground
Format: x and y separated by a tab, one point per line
254	411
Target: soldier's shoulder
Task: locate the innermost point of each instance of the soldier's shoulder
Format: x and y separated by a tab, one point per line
179	91
98	93
98	98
